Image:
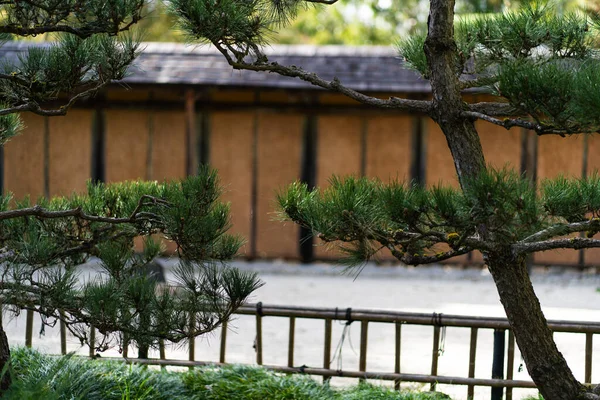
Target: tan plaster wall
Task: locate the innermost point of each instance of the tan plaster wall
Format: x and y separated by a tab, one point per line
279	157
168	145
389	149
70	152
24	160
439	166
126	145
231	139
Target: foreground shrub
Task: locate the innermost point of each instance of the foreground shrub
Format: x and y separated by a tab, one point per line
249	383
38	376
367	391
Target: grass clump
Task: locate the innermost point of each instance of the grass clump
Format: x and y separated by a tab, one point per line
38	376
250	383
372	392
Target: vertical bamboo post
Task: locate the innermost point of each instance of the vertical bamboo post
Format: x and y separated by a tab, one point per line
291	340
435	353
125	346
510	362
398	353
161	349
92	341
63	334
327	348
223	343
498	362
192	339
472	355
589	345
258	344
364	332
29	329
161	352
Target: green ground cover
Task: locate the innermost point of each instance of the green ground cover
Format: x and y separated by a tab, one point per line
39	376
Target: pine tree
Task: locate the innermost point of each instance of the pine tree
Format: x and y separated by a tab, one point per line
42	244
540	65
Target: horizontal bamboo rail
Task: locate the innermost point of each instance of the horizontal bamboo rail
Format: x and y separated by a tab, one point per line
409	318
450	380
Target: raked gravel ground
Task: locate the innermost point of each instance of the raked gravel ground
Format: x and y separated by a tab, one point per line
564	295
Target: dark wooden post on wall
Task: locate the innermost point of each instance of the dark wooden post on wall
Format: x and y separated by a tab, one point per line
98	172
417	162
308	176
191	159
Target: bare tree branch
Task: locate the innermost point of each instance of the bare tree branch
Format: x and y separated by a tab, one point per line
405	238
494	109
60	23
540	129
563	229
62	110
566	243
414	259
37	211
38	30
335	85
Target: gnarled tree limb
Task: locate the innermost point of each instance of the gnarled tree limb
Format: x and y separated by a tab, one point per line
335	85
566	243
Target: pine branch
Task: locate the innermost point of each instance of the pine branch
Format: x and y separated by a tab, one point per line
37	211
540	129
83	32
494	109
55	17
562	230
415	259
335	85
404	238
566	243
62	110
88	245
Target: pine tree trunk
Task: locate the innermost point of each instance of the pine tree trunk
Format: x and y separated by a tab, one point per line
447	105
5	381
545	363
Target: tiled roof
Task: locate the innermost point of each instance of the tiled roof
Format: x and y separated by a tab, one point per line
374	69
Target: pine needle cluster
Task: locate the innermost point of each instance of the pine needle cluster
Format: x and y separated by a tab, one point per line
42	246
500	208
90	50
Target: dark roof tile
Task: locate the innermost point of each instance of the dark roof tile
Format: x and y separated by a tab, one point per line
373	68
